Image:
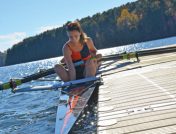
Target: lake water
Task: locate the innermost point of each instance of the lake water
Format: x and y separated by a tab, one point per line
35	112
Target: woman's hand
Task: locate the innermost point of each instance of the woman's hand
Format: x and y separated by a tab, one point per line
94	59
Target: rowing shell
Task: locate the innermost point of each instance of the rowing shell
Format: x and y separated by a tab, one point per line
68	113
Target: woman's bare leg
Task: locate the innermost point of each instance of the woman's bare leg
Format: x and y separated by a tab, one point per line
90	68
99	57
92	65
61	72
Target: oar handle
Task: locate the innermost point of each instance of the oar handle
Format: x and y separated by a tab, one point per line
12	84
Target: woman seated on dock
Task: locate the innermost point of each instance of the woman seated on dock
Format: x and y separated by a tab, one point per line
79	47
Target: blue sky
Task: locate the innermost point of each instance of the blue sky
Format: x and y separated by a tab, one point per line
23	18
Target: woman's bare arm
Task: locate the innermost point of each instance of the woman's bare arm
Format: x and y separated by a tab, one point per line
93	50
69	63
92	47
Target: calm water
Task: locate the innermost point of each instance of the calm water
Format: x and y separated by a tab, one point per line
35	112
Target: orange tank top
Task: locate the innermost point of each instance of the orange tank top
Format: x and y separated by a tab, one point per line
84	54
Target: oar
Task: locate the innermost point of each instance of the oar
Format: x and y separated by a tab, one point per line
122	56
58	85
16	82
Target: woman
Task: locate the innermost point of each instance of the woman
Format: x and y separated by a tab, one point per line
78	47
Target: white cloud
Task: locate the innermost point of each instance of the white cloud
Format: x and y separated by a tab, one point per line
49	27
8	40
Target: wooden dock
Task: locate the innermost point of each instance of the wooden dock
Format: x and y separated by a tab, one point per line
137	97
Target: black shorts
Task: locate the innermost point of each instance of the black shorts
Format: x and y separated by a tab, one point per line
80	72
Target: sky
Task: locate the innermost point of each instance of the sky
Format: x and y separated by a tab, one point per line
20	19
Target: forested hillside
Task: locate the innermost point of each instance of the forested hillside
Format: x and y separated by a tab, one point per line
139	21
2	58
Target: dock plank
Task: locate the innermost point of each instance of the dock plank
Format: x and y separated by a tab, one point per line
139	97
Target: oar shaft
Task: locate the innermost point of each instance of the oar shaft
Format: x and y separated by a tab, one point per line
120	56
17	82
38	75
58	85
